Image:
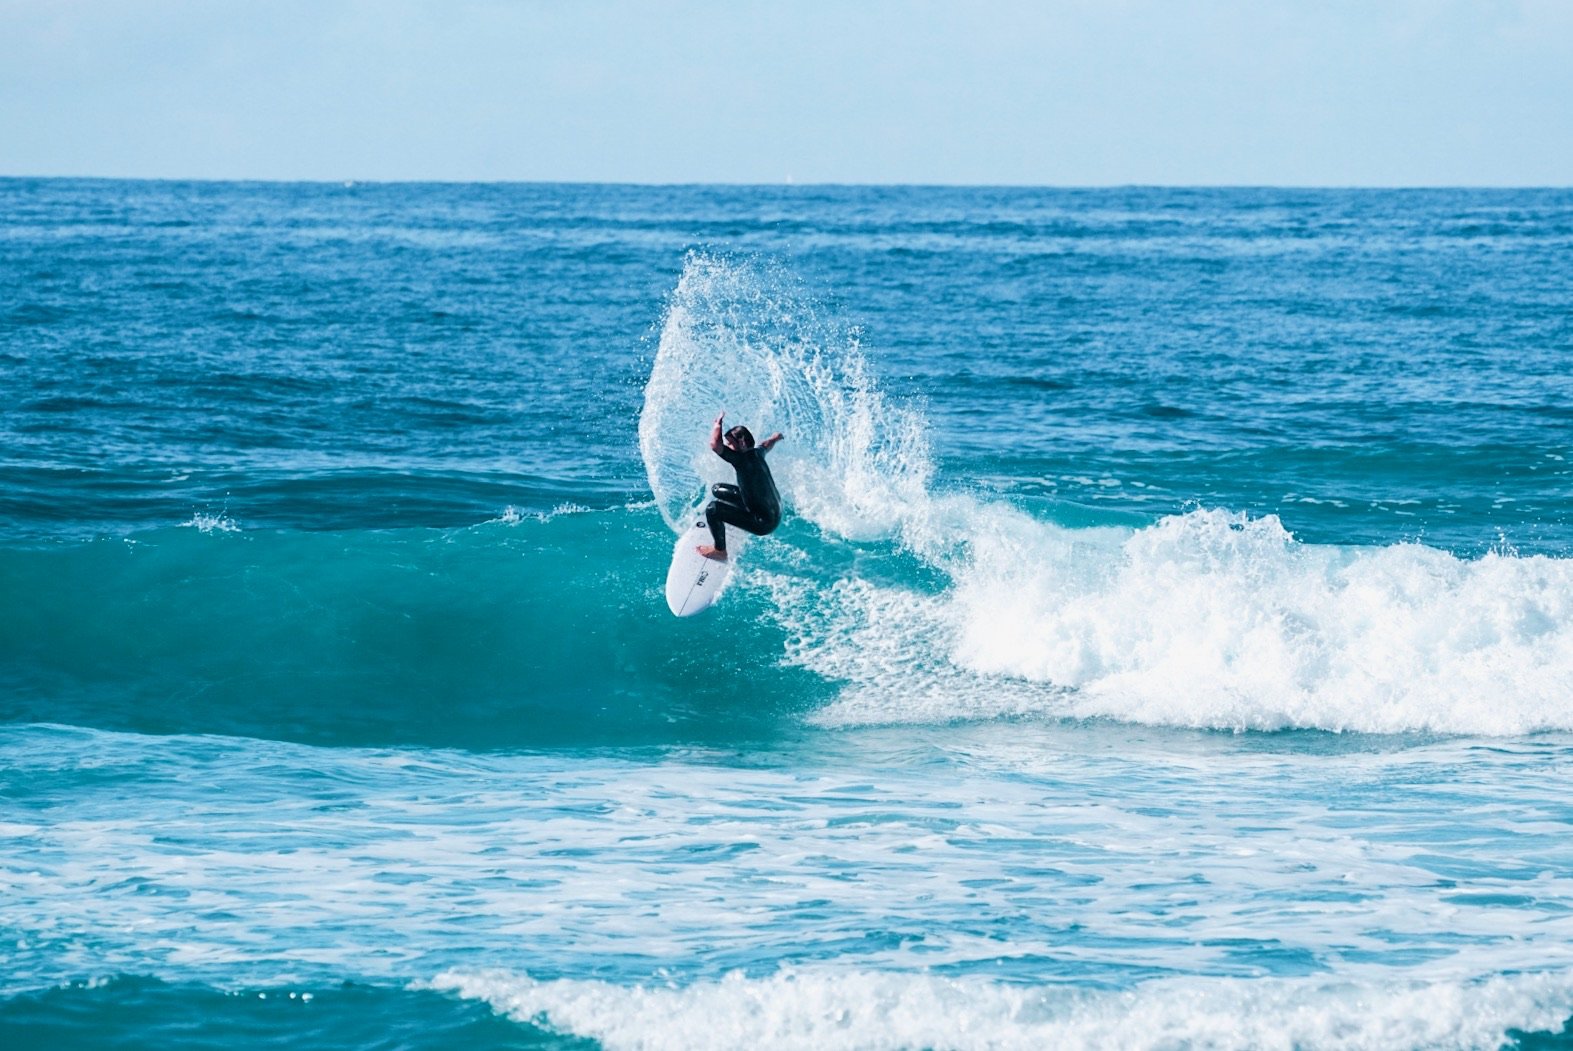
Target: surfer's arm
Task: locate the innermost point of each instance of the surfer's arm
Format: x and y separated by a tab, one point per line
768	442
720	448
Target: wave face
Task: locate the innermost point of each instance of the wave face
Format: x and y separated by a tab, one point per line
525	632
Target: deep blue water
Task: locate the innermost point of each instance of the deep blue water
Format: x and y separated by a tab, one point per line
1169	642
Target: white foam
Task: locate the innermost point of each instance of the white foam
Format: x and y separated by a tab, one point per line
888	646
1213	619
1208	619
1079	857
829	1009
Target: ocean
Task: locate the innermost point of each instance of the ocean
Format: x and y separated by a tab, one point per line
1168	643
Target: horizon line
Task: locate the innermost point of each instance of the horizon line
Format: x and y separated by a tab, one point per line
350	182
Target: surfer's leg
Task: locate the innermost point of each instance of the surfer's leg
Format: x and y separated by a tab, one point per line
717	526
721	513
725	496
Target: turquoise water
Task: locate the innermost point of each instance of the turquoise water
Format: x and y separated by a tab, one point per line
1169	642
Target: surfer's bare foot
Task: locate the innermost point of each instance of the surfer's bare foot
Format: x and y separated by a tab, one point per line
711	552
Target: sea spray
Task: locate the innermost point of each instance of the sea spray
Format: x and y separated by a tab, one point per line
746	339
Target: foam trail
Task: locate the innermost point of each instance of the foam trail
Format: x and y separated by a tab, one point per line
873	1010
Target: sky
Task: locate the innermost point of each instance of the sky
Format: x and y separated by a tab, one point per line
1012	92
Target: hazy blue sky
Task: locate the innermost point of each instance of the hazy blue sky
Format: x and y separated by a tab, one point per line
1060	92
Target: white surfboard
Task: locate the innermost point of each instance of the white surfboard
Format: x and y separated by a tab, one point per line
694	581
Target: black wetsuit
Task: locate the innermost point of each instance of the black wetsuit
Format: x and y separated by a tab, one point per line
752	504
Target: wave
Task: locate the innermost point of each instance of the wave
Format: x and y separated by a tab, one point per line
1207	620
860	1009
803	1009
884	598
547	629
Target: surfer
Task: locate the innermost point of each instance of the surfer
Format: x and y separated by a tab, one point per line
753	503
